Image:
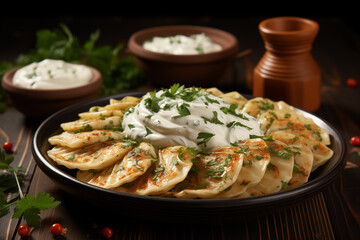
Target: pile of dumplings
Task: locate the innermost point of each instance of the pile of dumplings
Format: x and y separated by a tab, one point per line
292	147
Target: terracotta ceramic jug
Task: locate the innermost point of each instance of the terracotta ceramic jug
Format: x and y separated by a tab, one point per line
287	71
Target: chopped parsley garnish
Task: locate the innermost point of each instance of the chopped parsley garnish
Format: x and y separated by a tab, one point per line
152	102
214	120
205	136
86	128
307	126
273	114
202	185
238	124
183	110
72	157
318	135
297	170
284	185
129	143
232	110
271	166
265	138
265	106
174	161
136	164
148	131
159	170
210	100
243	149
283	154
219	171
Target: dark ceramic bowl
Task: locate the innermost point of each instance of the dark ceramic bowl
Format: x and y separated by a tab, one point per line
41	103
188	210
191	70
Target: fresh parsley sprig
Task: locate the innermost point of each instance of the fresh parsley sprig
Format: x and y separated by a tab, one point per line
28	206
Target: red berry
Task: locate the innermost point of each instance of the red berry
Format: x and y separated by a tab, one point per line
24	230
351	82
57	229
355	141
7	146
107	232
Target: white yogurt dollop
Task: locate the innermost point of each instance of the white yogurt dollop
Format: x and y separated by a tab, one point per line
180	44
188	117
52	74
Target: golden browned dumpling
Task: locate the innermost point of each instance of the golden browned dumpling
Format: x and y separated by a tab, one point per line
95	156
303	157
82	139
278	173
172	167
212	173
257	106
312	137
134	164
256	159
84	125
115	108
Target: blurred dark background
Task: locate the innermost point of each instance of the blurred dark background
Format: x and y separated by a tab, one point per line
117	20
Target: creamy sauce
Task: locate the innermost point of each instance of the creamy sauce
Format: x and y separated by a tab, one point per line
180	44
52	74
188	117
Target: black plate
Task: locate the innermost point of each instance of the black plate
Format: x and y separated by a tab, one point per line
193	210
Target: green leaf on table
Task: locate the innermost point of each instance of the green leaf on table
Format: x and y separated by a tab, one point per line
7	181
4	208
32	216
6	160
44	201
30	207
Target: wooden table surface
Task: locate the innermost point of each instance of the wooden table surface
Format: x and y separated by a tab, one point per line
332	214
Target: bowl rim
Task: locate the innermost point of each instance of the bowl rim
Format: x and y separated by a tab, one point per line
310	26
54	94
135	48
216	206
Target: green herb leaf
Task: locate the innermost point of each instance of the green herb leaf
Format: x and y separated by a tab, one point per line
205	136
202	185
232	110
297	170
265	106
265	138
239	124
214	120
29	206
148	131
183	110
283	154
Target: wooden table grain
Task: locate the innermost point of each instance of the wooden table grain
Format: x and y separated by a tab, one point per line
333	213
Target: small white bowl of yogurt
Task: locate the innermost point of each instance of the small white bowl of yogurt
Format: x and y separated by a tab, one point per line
189	55
42	88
